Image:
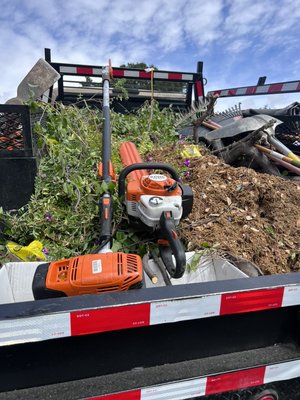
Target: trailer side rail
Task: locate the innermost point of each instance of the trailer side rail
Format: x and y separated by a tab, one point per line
259	89
84	315
209	385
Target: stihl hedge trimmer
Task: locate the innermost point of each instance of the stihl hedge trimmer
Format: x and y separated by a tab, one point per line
93	273
156	203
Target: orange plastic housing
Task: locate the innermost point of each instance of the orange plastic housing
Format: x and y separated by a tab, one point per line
111	171
130	155
139	181
95	273
135	189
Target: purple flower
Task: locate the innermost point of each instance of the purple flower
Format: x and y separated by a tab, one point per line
187	162
48	217
150	159
187	174
45	251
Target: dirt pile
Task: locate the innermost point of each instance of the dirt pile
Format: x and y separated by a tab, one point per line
249	214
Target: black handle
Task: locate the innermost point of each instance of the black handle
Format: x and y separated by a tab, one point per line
175	247
139	166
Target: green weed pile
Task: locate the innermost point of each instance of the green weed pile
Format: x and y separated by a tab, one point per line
63	212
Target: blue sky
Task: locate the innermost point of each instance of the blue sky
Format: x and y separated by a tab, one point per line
238	40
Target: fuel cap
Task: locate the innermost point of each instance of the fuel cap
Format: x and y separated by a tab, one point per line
155	201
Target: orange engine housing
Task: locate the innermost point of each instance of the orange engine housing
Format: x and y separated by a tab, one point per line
95	273
148	186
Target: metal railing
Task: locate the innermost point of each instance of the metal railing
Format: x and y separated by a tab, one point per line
169	87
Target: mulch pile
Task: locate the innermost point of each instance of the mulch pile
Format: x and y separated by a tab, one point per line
238	210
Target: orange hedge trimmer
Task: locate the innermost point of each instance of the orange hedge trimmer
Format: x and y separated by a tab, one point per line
156	203
93	273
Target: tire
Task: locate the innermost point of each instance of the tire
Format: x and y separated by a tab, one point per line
267	394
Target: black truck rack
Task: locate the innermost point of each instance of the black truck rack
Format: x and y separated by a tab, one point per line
81	84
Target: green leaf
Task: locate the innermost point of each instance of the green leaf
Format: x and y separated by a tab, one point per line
111	186
116	246
104	187
193	265
120	236
205	245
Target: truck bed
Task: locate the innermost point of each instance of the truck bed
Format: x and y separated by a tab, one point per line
224	331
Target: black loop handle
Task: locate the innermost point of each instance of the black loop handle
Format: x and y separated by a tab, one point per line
139	166
168	232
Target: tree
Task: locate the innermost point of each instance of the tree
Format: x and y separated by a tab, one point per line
160	86
89	82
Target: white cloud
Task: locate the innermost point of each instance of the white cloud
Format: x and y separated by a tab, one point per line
263	24
247	16
172	34
202	21
236	46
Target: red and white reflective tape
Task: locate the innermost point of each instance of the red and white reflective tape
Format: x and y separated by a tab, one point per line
84	322
174	76
205	386
199	90
80	70
34	329
272	88
123	73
